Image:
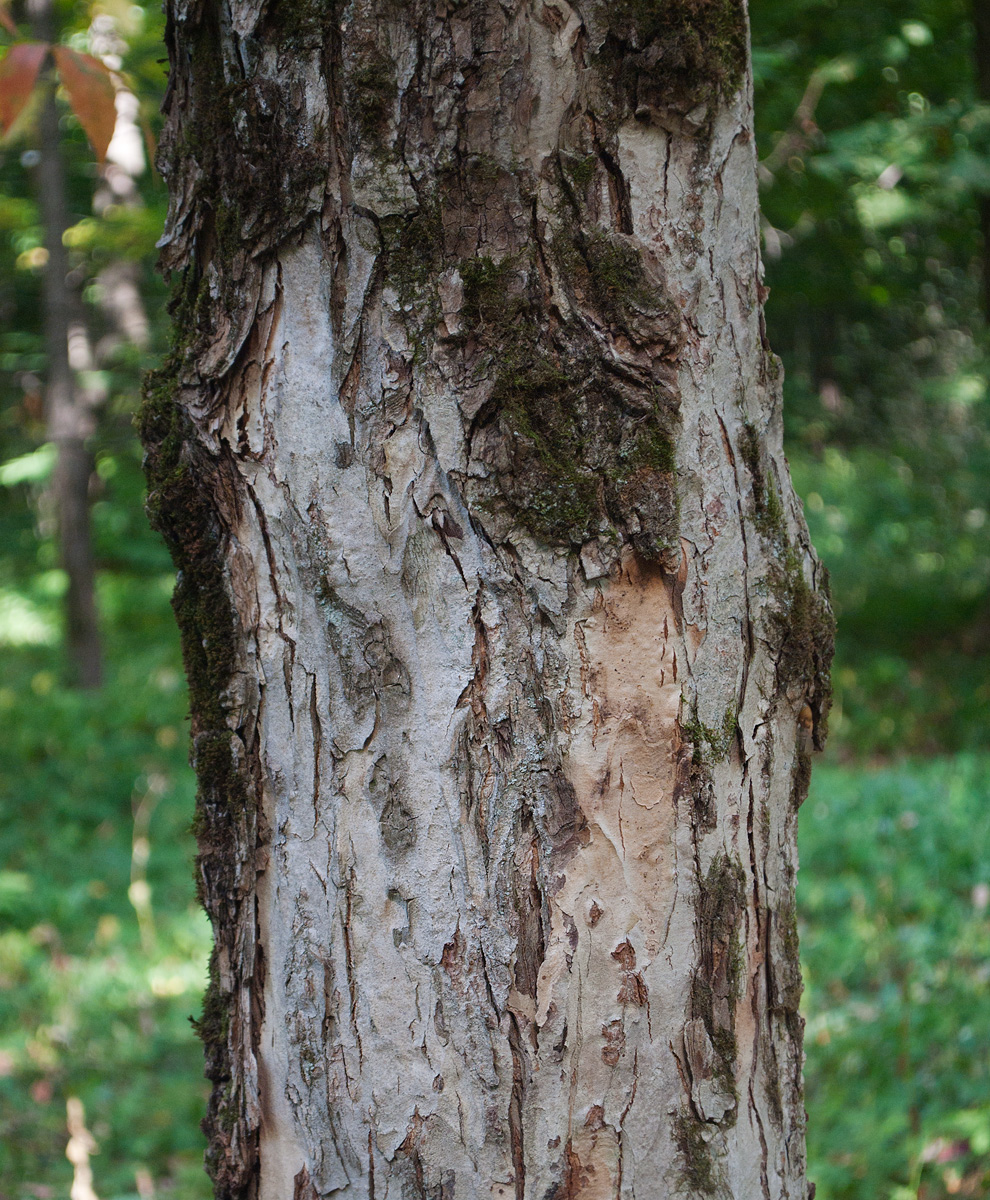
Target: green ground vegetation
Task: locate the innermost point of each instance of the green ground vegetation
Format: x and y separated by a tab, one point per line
894	919
102	944
875	154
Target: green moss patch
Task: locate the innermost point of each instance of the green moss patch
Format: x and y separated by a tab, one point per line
788	984
698	1168
711	743
412	258
372	91
580	170
682	52
769	511
584	459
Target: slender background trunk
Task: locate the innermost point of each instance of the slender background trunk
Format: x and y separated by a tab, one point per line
507	648
69	423
981	23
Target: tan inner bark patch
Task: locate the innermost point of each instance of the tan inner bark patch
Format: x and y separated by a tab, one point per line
593	1159
610	913
621	762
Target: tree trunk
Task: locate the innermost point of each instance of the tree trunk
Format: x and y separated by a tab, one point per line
69	423
981	63
506	644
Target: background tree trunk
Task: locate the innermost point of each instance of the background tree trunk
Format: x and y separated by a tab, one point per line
506	644
69	422
981	61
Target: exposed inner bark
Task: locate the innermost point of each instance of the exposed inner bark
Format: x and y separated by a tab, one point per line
506	642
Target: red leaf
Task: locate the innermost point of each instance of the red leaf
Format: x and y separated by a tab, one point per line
18	75
7	21
89	86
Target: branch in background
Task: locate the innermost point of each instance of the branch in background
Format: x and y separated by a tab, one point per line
981	54
803	128
81	1145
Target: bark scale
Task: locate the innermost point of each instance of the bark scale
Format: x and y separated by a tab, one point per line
507	647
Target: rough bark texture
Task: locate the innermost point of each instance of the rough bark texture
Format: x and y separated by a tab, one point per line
507	647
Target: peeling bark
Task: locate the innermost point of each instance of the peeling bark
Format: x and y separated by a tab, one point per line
506	642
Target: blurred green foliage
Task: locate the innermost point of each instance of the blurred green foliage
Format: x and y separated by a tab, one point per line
102	944
875	154
874	157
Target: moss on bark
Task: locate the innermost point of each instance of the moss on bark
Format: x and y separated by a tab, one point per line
247	161
804	627
183	481
717	738
805	630
769	512
674	52
584	459
788	984
698	1167
372	91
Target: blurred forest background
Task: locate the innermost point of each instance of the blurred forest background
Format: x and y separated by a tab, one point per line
874	136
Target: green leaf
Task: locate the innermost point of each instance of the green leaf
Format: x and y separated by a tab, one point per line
28	468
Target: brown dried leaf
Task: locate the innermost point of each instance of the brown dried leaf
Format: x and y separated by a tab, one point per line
18	75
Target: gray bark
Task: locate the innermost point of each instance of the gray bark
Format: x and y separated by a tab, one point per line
506	643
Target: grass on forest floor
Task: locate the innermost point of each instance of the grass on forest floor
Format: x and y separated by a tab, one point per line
894	916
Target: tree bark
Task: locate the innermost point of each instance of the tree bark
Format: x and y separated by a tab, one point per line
69	423
507	647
